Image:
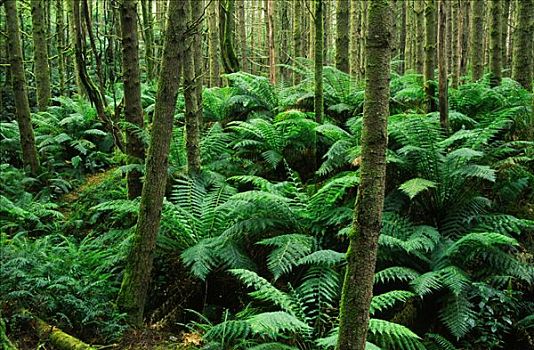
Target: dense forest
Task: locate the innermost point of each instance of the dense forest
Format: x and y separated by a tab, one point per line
266	174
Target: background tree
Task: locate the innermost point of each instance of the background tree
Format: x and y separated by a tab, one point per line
133	110
148	30
136	279
477	39
40	54
20	91
362	251
442	66
269	5
496	52
214	47
430	54
342	37
523	61
319	57
227	34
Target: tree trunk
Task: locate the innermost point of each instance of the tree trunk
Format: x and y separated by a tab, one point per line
522	56
361	255
134	288
495	43
430	54
270	38
442	66
133	110
342	38
18	81
354	39
504	35
226	32
242	33
402	39
420	36
86	12
297	35
477	39
148	30
319	56
60	31
192	92
213	45
456	43
466	30
40	54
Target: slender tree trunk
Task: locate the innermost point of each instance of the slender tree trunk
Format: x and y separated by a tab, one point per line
97	56
354	39
466	49
319	56
193	90
361	255
504	34
456	43
297	35
213	45
242	34
477	39
270	38
342	37
60	31
40	54
442	66
133	110
226	32
420	35
134	288
402	39
148	30
363	30
18	81
430	54
495	43
523	34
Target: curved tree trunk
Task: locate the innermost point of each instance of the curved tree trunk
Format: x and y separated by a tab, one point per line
226	32
361	255
523	62
342	38
18	81
40	54
133	110
136	280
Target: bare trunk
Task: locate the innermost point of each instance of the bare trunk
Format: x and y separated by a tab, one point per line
442	66
40	54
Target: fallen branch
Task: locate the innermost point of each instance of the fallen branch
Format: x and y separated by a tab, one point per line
57	337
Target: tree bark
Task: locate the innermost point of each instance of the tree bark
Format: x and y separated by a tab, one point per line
60	31
133	110
456	42
342	38
495	43
20	91
319	57
40	54
227	33
213	45
402	39
361	255
522	61
430	54
477	39
442	66
466	30
420	36
134	288
148	30
270	39
242	33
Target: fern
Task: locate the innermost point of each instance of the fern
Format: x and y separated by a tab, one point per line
289	249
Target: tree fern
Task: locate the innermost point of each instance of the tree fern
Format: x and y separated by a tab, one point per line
289	249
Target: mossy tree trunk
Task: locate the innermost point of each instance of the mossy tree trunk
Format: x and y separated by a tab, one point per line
134	288
361	255
213	44
20	90
342	38
40	54
477	39
522	61
319	57
133	110
442	66
227	33
148	30
496	52
192	89
430	54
